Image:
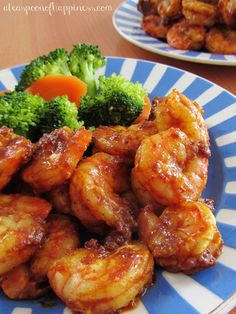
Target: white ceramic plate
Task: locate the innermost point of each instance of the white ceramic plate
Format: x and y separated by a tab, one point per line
177	293
127	22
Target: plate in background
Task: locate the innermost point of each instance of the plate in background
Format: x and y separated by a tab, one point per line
127	21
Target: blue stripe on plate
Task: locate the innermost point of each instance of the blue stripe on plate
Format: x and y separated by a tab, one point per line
212	280
227	149
163	299
215	56
142	71
134	13
131	33
129	26
17	71
230	174
214	187
197	87
228	233
113	66
133	3
191	53
128	19
147	42
220	102
2	86
228	201
224	128
167	81
7	306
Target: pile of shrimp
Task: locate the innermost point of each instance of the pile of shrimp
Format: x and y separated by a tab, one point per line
208	25
135	191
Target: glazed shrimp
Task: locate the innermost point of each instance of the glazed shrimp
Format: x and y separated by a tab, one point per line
60	199
227	10
186	36
200	12
169	169
19	284
29	281
15	150
22	228
184	238
176	110
56	157
98	282
169	8
155	26
221	40
122	141
94	189
61	239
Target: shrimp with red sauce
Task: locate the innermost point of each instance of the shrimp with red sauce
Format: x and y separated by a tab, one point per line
184	238
99	282
56	157
15	151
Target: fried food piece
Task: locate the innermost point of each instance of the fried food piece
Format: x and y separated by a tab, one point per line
155	26
57	156
186	36
95	189
21	228
61	239
15	150
184	238
29	281
19	284
176	110
227	11
200	12
60	199
94	281
122	141
169	168
147	7
169	8
221	40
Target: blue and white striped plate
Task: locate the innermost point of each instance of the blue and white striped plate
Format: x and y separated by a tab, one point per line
178	293
127	22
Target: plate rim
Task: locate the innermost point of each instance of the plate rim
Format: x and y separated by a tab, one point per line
155	64
146	61
164	53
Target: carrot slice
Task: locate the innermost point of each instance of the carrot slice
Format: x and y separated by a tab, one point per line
52	86
146	111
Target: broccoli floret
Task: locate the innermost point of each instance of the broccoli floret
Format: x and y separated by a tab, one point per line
85	59
58	113
22	112
55	63
118	102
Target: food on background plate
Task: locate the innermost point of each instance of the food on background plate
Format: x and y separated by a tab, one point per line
188	25
137	161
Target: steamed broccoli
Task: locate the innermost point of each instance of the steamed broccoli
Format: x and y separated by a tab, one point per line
85	59
118	101
59	112
82	62
55	63
22	112
31	116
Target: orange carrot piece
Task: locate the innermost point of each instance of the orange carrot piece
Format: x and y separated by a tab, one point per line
146	111
52	86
